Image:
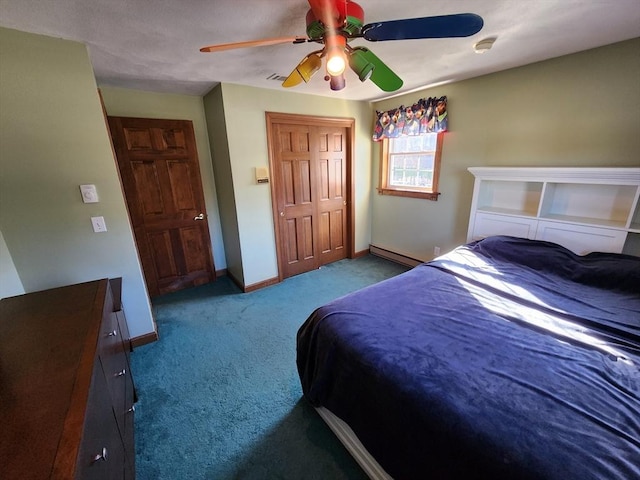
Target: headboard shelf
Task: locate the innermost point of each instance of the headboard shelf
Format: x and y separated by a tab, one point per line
583	209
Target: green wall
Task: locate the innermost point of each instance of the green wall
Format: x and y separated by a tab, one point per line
122	102
53	138
577	110
246	148
217	130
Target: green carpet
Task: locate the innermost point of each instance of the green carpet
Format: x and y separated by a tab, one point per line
219	395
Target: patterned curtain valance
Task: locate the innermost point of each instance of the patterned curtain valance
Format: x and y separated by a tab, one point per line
427	115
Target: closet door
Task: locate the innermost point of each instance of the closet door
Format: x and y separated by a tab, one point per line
309	165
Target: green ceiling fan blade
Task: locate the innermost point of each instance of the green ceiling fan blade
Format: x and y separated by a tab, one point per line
381	75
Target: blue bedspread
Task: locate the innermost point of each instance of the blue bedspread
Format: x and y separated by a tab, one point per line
506	358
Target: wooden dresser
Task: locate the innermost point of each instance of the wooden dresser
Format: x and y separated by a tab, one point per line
66	390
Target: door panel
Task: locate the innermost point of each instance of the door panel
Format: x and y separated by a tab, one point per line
296	214
146	182
332	203
160	243
309	163
180	175
160	173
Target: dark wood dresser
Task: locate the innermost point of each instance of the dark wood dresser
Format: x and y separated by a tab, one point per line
66	390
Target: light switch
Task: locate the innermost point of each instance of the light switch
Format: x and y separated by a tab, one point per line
98	224
89	193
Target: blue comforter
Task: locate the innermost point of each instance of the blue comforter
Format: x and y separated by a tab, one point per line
506	358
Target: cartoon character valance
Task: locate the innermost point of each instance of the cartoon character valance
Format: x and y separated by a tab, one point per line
427	115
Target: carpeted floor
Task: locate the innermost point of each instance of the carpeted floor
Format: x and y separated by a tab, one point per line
219	396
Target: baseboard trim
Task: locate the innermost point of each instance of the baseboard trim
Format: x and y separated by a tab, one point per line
221	273
361	253
255	286
272	281
144	339
259	285
394	257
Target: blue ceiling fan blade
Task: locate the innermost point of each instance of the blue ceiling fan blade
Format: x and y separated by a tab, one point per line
444	26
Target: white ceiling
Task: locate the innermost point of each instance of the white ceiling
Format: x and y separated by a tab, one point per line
154	44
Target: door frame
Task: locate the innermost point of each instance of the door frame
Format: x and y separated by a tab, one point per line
273	118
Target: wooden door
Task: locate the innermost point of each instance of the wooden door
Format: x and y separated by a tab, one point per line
160	174
309	165
331	193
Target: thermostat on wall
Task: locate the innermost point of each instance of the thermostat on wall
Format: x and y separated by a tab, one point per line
89	193
262	175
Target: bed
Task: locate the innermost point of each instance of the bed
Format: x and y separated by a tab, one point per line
505	358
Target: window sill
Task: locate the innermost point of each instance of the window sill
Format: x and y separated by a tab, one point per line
409	193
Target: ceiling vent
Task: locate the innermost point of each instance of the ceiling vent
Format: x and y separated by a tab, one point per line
275	76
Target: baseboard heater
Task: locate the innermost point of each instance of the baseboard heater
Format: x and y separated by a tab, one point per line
394	257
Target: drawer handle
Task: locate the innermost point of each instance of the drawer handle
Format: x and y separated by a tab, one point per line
132	409
121	373
112	334
101	456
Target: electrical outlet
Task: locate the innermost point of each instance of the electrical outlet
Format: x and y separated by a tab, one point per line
98	224
436	251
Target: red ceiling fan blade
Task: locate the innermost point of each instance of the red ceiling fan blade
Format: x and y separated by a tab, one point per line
253	43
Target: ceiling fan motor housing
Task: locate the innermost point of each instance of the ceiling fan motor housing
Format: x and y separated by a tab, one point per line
351	20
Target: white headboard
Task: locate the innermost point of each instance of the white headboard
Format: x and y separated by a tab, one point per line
582	209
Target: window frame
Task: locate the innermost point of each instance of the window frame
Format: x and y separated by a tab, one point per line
384	188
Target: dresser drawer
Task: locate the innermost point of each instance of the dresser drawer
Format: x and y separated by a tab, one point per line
116	372
101	454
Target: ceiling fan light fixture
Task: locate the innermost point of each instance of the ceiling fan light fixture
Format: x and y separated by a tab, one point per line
337	82
310	65
336	64
335	46
360	65
333	23
304	71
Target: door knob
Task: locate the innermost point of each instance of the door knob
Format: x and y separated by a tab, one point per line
199	217
282	214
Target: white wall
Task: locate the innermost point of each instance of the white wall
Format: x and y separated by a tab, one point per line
577	110
53	138
10	283
244	112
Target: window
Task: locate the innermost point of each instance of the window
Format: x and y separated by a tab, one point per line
410	166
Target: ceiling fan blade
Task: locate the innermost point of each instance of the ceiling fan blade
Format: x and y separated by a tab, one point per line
253	43
304	71
381	75
444	26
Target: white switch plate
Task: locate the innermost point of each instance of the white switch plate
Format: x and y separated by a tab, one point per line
89	193
98	224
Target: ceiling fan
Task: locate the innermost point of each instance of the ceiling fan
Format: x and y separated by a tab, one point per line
333	23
